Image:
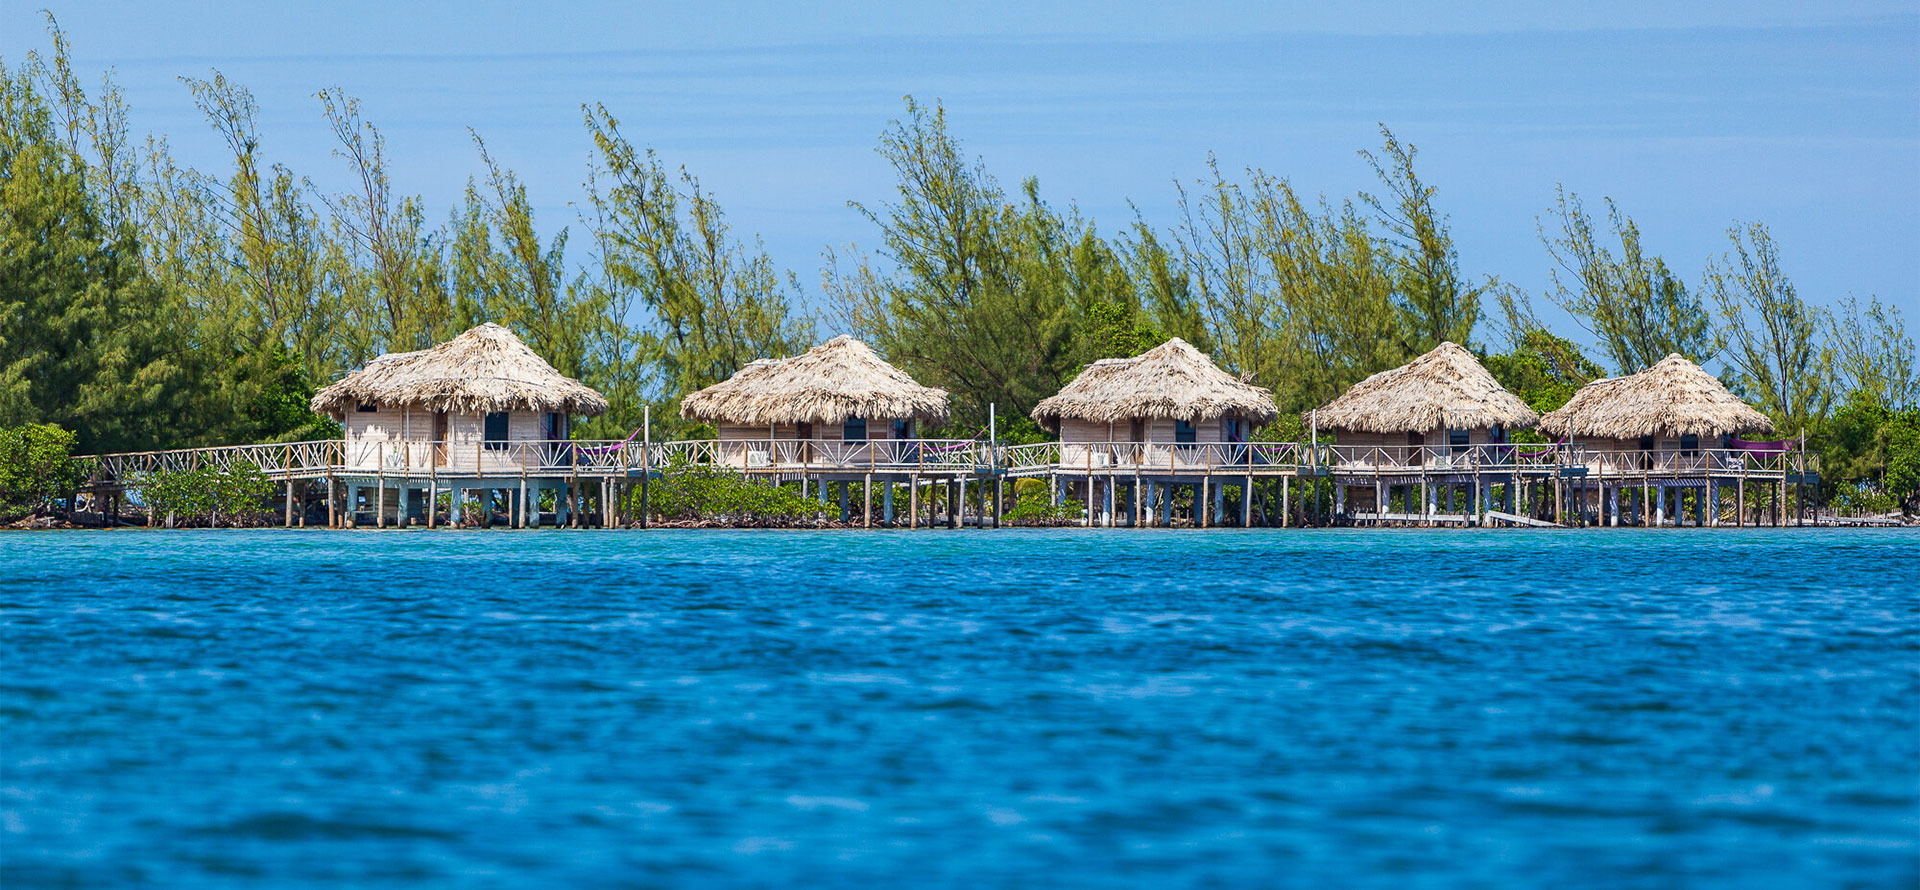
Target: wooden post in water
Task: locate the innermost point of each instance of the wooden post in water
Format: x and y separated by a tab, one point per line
380	501
646	459
1740	499
866	501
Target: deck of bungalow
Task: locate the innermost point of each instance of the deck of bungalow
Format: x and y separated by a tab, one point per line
381	484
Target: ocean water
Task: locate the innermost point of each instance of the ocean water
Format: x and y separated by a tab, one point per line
1368	708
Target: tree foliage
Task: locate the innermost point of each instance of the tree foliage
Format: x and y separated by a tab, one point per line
36	467
1638	309
1771	335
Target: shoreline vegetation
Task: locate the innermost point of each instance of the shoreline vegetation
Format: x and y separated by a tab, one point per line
146	305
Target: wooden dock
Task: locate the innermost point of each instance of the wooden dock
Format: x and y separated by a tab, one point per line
1124	483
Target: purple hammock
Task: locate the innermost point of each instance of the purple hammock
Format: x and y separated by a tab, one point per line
1778	447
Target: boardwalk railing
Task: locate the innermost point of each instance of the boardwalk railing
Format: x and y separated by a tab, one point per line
1402	459
297	460
1701	462
287	460
1161	457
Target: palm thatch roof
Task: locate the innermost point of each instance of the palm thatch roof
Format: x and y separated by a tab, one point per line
1172	380
1672	398
1444	389
484	369
839	379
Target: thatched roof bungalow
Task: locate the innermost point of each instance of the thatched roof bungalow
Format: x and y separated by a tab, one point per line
1443	398
1672	406
1170	394
839	391
480	391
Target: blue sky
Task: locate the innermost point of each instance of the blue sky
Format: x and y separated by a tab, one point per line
1807	119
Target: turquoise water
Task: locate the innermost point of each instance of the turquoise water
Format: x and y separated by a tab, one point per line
974	708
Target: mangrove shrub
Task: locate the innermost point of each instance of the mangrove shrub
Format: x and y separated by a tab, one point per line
36	467
207	495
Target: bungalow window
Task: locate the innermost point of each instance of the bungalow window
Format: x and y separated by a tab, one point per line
1689	445
1183	432
854	430
903	429
1230	429
367	408
1459	440
495	432
1646	443
1497	435
553	429
804	431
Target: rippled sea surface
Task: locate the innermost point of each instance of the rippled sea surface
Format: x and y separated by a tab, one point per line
1030	708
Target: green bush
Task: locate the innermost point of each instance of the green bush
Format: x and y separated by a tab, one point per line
1031	507
207	495
36	467
700	491
1863	499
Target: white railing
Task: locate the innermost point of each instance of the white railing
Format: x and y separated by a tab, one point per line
1162	457
1701	462
804	455
610	457
1451	458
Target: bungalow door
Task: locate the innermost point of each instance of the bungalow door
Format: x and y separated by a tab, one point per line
1416	449
439	444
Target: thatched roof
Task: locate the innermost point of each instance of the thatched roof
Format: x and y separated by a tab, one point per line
1444	389
829	383
1172	380
484	369
1672	398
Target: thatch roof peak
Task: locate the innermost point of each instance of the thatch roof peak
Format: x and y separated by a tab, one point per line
485	369
1675	397
1172	380
1445	389
829	383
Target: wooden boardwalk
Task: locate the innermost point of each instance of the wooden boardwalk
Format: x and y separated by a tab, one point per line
1473	485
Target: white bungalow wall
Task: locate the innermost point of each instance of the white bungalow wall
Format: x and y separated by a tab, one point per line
374	439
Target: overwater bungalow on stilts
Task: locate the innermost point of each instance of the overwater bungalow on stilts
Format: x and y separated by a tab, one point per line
480	414
482	417
1165	418
1666	442
833	418
1431	436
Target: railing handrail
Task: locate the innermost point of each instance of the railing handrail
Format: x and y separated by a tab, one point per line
426	456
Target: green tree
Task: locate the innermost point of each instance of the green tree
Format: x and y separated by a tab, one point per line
1298	298
87	340
1875	355
36	467
981	291
383	251
1435	303
1639	311
1772	335
685	303
1542	369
